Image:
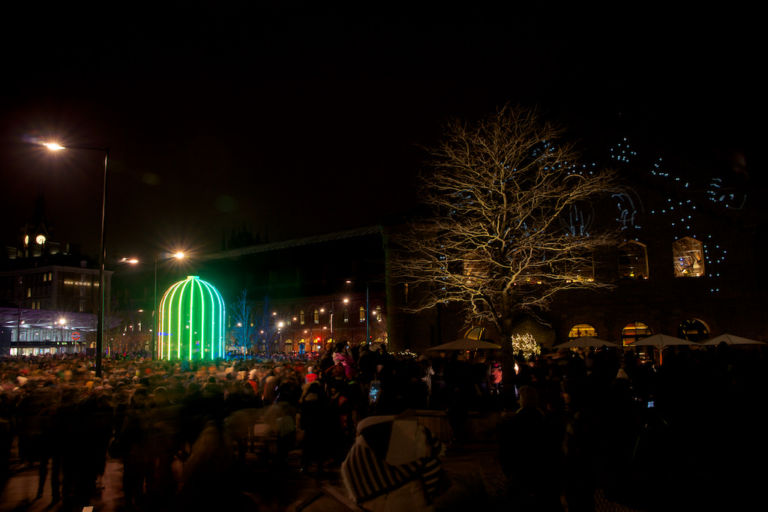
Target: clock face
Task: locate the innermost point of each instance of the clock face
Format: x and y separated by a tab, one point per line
40	239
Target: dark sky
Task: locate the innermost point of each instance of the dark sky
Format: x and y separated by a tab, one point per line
296	119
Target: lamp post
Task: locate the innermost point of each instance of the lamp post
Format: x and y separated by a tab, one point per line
179	255
54	146
367	310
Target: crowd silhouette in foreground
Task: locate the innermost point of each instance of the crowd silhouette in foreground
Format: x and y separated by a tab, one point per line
686	434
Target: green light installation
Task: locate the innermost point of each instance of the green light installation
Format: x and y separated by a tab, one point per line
191	322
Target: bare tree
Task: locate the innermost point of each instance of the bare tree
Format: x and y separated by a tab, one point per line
241	321
509	224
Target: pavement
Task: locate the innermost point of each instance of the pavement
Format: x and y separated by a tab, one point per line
473	469
20	492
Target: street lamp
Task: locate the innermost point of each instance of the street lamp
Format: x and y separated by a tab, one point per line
55	146
280	326
179	255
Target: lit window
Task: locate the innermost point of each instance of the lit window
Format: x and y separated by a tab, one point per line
29	292
378	313
688	257
346	316
301	317
633	260
693	330
317	316
633	332
45	277
579	330
362	314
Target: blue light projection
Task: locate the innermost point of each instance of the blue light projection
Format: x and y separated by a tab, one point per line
680	209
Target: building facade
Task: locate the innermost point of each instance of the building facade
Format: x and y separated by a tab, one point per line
49	301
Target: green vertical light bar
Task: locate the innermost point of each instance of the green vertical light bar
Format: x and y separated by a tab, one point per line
175	336
166	316
220	330
202	319
179	329
213	316
159	345
191	313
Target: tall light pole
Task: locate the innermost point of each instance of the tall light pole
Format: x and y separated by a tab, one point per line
54	146
179	255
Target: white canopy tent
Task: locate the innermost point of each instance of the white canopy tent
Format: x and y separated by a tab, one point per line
732	339
662	341
466	344
585	342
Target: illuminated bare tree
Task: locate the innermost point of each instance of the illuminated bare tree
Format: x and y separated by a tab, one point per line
507	228
240	312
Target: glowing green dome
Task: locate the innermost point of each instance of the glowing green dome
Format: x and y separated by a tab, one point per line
191	322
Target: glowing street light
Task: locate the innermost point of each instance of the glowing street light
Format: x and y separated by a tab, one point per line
178	255
55	146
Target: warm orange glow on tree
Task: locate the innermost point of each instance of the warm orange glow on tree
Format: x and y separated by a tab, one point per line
509	226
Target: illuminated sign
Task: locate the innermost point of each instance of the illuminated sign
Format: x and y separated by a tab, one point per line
191	316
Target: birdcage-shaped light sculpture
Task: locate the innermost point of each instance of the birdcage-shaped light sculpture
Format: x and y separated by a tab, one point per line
191	322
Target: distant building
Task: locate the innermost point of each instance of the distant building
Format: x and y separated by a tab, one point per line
303	293
688	263
48	296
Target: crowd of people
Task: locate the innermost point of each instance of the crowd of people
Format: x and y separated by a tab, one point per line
685	434
182	428
570	422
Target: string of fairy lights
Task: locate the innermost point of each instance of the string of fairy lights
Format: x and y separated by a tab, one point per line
681	210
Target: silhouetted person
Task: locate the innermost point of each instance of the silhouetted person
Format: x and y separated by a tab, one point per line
526	455
314	422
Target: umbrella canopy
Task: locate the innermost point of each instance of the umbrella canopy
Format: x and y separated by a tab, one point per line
732	339
660	341
585	341
466	344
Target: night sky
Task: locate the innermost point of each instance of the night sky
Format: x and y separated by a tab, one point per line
292	119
